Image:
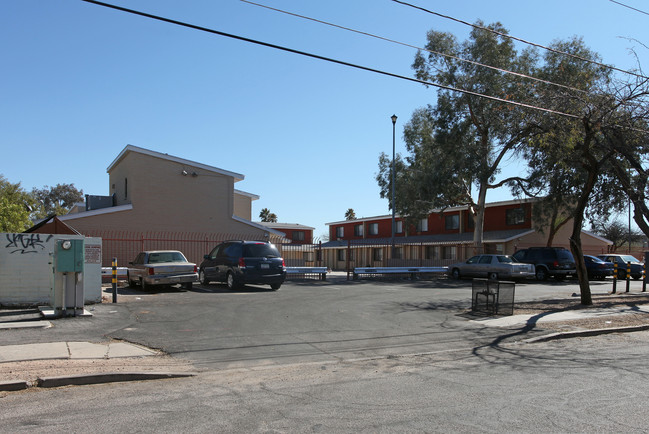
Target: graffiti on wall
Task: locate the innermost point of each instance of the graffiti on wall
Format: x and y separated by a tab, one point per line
26	243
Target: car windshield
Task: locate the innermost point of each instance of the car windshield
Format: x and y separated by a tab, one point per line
261	250
160	257
506	259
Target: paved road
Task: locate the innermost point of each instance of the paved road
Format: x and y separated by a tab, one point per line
215	328
582	385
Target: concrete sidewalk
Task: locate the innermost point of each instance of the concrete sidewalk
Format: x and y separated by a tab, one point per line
566	315
72	350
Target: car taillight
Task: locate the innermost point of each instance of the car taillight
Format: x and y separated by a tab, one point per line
283	264
555	264
151	272
242	262
195	269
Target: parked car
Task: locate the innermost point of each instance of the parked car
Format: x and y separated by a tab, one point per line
492	267
161	267
557	262
598	269
621	261
240	262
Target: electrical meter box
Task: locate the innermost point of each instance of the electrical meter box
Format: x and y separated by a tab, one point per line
69	256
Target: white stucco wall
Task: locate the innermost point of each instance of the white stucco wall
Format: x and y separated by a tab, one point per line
27	276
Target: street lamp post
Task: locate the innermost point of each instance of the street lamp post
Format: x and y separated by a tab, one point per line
394	121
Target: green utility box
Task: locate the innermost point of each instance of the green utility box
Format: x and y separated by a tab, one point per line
69	256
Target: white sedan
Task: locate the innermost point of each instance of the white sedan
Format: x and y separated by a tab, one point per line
492	267
161	267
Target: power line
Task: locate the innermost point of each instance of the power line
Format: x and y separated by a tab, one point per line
630	7
506	71
475	26
328	59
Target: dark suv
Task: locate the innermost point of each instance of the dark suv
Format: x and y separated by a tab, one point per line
241	262
549	261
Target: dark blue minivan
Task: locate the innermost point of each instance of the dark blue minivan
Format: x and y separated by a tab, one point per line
240	262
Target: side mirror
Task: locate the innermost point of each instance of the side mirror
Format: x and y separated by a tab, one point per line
206	256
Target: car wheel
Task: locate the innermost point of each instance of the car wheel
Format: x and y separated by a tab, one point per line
275	286
202	278
455	273
541	274
231	282
145	286
492	276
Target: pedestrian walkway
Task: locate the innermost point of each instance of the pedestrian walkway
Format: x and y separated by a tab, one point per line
72	351
566	315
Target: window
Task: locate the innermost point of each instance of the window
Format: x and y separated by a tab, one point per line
341	254
515	216
452	222
398	253
352	256
449	252
470	220
432	252
486	259
125	188
414	252
374	228
358	230
298	235
422	225
377	254
398	227
340	232
307	256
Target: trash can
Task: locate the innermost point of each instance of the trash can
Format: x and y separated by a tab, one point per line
492	297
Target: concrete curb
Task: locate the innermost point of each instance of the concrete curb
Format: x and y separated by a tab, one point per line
11	386
585	333
108	377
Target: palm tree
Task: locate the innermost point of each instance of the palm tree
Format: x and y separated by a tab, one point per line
266	216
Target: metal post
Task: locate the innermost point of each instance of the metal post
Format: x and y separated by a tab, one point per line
628	276
614	277
644	275
394	121
114	280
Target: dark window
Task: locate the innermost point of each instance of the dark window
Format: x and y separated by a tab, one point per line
341	254
261	250
374	228
470	223
340	232
452	222
398	253
485	259
125	188
358	230
298	235
377	254
515	216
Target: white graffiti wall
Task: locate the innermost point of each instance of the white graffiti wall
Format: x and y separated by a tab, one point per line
27	275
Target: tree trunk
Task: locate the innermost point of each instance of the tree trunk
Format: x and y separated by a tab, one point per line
575	238
478	227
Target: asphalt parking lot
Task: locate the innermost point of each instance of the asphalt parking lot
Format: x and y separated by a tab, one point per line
305	321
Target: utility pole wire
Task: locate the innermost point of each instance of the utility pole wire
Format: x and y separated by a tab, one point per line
630	7
438	53
475	26
327	59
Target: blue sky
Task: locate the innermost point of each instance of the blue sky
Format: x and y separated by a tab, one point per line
80	82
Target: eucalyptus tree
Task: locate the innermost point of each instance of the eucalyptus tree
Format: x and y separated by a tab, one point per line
593	148
457	146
